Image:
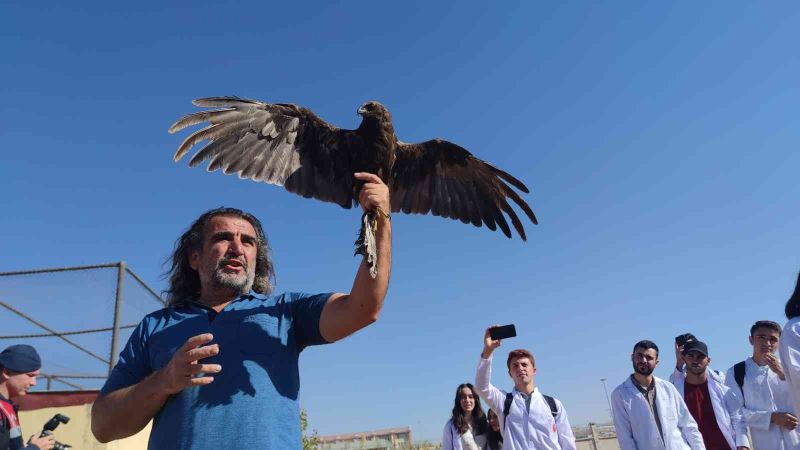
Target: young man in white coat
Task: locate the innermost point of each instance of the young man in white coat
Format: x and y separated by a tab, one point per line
716	407
680	364
649	413
529	420
768	409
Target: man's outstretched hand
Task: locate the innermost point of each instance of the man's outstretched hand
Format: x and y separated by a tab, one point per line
489	344
182	370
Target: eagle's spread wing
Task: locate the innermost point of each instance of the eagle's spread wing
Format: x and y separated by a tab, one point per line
446	180
278	144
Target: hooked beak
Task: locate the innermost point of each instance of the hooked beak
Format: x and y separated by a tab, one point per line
361	111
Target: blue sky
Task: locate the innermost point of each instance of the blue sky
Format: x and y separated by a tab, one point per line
659	141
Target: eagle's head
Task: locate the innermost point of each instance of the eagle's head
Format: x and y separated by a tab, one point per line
373	110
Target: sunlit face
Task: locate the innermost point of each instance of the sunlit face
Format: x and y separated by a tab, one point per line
764	340
19	383
521	370
466	399
494	421
227	259
644	361
696	362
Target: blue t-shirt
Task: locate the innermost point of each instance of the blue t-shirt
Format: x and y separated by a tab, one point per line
252	402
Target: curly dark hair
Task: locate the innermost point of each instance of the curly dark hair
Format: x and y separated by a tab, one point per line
460	419
184	282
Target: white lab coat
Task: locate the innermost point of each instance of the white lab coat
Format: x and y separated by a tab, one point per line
636	427
451	440
527	429
790	359
727	404
765	393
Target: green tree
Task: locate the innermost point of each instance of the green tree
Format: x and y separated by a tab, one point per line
309	442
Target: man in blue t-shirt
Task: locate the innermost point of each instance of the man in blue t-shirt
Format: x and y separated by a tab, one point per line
218	368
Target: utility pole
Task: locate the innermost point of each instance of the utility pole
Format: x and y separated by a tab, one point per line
605	388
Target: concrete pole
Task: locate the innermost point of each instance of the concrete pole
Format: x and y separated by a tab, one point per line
117	306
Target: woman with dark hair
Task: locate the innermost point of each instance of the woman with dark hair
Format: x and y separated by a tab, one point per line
466	429
790	346
494	437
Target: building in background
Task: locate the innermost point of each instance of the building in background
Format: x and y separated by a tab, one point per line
591	437
388	439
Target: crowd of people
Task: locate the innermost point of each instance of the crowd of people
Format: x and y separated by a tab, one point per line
218	367
698	408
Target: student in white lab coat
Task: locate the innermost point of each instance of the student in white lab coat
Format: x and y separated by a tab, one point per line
467	428
649	413
790	346
768	409
715	407
680	364
529	419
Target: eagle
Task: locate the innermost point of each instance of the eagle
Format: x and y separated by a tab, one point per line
290	146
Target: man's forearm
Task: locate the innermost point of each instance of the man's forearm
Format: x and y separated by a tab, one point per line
367	293
483	385
127	411
343	315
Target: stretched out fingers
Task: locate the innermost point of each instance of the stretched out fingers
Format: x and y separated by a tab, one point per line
200	381
196	341
204	368
199	353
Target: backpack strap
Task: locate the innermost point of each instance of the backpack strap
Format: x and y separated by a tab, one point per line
552	403
738	375
507	407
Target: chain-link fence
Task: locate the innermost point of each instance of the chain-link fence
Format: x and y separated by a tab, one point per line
78	318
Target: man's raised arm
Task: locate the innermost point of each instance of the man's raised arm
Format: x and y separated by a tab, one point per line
494	397
344	314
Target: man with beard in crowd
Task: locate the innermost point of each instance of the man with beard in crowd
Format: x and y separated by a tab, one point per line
649	413
218	368
716	407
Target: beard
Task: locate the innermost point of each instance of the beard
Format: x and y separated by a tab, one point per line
646	372
697	371
241	283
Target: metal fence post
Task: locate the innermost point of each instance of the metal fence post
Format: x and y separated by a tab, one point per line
117	305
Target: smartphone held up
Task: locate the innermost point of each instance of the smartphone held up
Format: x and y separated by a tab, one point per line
502	332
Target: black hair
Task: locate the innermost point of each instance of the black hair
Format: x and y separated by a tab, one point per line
792	309
765	324
493	438
645	344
